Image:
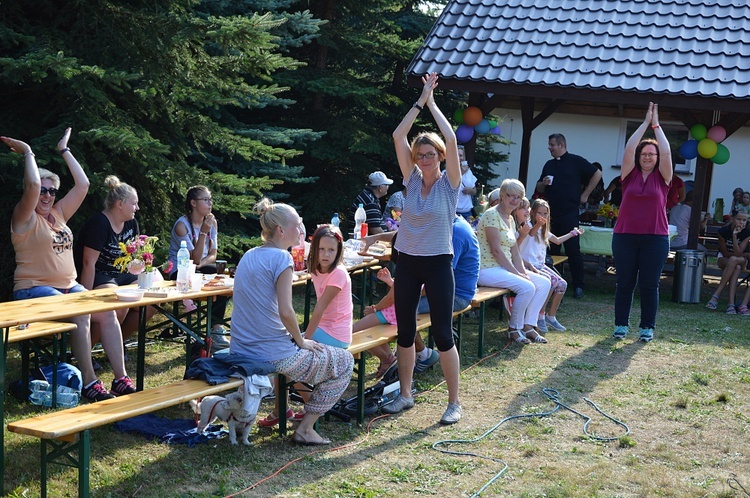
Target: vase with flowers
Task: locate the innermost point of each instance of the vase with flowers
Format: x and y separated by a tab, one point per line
609	212
138	259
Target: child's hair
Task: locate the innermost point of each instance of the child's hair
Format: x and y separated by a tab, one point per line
544	232
272	215
118	191
324	231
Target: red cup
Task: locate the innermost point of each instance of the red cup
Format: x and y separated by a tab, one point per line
298	255
363	231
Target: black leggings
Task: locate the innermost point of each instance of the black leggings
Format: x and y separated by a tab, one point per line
436	273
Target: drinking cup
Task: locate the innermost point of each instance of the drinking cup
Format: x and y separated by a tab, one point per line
221	266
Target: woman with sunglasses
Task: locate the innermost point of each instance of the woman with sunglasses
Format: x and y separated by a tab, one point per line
425	246
199	229
640	242
44	246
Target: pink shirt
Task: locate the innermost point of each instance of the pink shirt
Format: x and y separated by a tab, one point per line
337	317
643	208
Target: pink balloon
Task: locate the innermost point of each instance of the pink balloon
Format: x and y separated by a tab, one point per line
464	133
717	134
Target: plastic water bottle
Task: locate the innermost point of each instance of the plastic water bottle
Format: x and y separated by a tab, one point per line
41	394
335	221
183	268
360	216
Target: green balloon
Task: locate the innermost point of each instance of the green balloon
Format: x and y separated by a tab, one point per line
722	154
458	116
698	132
492	122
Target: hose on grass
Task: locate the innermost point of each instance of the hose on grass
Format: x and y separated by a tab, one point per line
553	396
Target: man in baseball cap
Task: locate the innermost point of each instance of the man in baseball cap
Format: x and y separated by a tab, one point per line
377	187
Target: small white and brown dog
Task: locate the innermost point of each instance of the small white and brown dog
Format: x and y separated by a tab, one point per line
229	410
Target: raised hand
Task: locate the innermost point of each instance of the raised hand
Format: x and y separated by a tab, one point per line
655	116
649	113
16	145
430	83
63	143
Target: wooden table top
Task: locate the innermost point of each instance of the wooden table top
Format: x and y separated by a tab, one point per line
14	313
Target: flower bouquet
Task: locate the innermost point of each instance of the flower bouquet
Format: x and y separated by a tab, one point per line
609	212
138	259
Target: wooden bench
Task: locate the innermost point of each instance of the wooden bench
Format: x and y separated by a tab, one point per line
31	333
481	297
65	435
558	260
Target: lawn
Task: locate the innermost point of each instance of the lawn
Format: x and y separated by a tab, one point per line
683	397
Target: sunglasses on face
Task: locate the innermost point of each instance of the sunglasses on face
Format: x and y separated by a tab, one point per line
52	191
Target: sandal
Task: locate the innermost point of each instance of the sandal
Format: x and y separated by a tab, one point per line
385	365
520	337
538	338
743	310
731	310
711	304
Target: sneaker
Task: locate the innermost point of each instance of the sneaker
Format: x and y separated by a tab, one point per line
620	332
541	324
743	310
122	386
452	414
731	310
96	392
399	404
219	338
554	324
647	335
422	365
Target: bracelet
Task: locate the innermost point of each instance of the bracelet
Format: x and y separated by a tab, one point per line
416	104
205	233
653	127
29	153
63	151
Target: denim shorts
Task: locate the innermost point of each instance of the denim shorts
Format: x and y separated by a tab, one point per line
45	291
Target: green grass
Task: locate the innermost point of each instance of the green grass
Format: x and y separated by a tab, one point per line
684	397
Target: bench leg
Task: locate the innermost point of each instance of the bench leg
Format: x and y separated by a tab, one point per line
361	388
283	384
76	453
480	336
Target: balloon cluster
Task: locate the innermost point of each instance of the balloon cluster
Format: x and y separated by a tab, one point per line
470	121
706	143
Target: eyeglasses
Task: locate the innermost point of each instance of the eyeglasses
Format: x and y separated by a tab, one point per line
52	191
648	155
429	155
207	200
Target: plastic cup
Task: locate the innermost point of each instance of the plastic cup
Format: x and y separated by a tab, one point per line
221	266
196	282
551	177
298	255
363	231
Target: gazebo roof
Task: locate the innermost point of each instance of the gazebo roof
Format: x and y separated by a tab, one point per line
693	54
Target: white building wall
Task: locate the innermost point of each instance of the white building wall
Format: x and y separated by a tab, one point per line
603	140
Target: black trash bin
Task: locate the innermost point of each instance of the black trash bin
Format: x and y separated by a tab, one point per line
688	276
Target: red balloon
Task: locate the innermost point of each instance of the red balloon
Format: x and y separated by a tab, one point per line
472	116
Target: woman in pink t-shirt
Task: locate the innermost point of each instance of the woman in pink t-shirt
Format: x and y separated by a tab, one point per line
640	242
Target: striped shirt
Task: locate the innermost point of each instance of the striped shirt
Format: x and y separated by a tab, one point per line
426	227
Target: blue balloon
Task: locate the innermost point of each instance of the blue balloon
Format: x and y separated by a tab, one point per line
689	149
496	130
464	133
483	127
